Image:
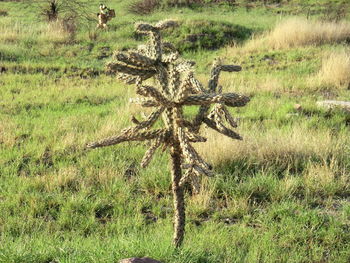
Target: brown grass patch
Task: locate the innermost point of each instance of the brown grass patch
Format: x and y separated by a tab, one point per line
273	147
335	70
297	32
326	179
7	132
55	32
300	32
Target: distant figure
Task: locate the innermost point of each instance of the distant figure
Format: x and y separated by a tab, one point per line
104	16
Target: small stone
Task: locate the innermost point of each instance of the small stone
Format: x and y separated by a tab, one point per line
139	260
297	107
331	104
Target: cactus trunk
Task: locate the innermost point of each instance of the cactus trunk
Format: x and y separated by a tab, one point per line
178	193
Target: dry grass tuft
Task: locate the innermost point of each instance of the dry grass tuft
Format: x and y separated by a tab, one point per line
300	32
273	147
326	179
297	32
204	199
319	179
55	32
64	179
11	34
7	136
335	70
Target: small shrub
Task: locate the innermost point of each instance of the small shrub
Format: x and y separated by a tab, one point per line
3	13
184	3
50	10
69	25
53	10
143	7
93	35
203	34
196	3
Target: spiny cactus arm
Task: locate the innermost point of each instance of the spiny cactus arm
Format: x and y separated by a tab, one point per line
168	46
170	57
130	79
151	151
189	85
190	154
155	50
145	28
149	91
191	178
229	99
212	85
126	78
156	46
127	69
222	129
155	38
168	118
135	59
199	170
215	73
185	66
164	24
193	137
182	94
143	49
144	102
174	83
162	78
214	76
198	87
136	136
231	68
151	119
222	111
131	133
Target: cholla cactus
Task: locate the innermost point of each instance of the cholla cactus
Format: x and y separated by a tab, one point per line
176	87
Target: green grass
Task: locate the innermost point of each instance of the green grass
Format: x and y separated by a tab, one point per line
280	195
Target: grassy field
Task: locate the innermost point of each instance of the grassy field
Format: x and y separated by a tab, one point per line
280	195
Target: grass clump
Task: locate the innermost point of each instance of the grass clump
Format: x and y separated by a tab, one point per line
296	32
335	70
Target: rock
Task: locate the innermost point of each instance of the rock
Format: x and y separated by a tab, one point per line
297	107
139	260
330	104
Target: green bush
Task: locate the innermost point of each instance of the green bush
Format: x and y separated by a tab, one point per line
203	34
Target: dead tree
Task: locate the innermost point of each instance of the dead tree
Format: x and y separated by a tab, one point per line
52	10
176	87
